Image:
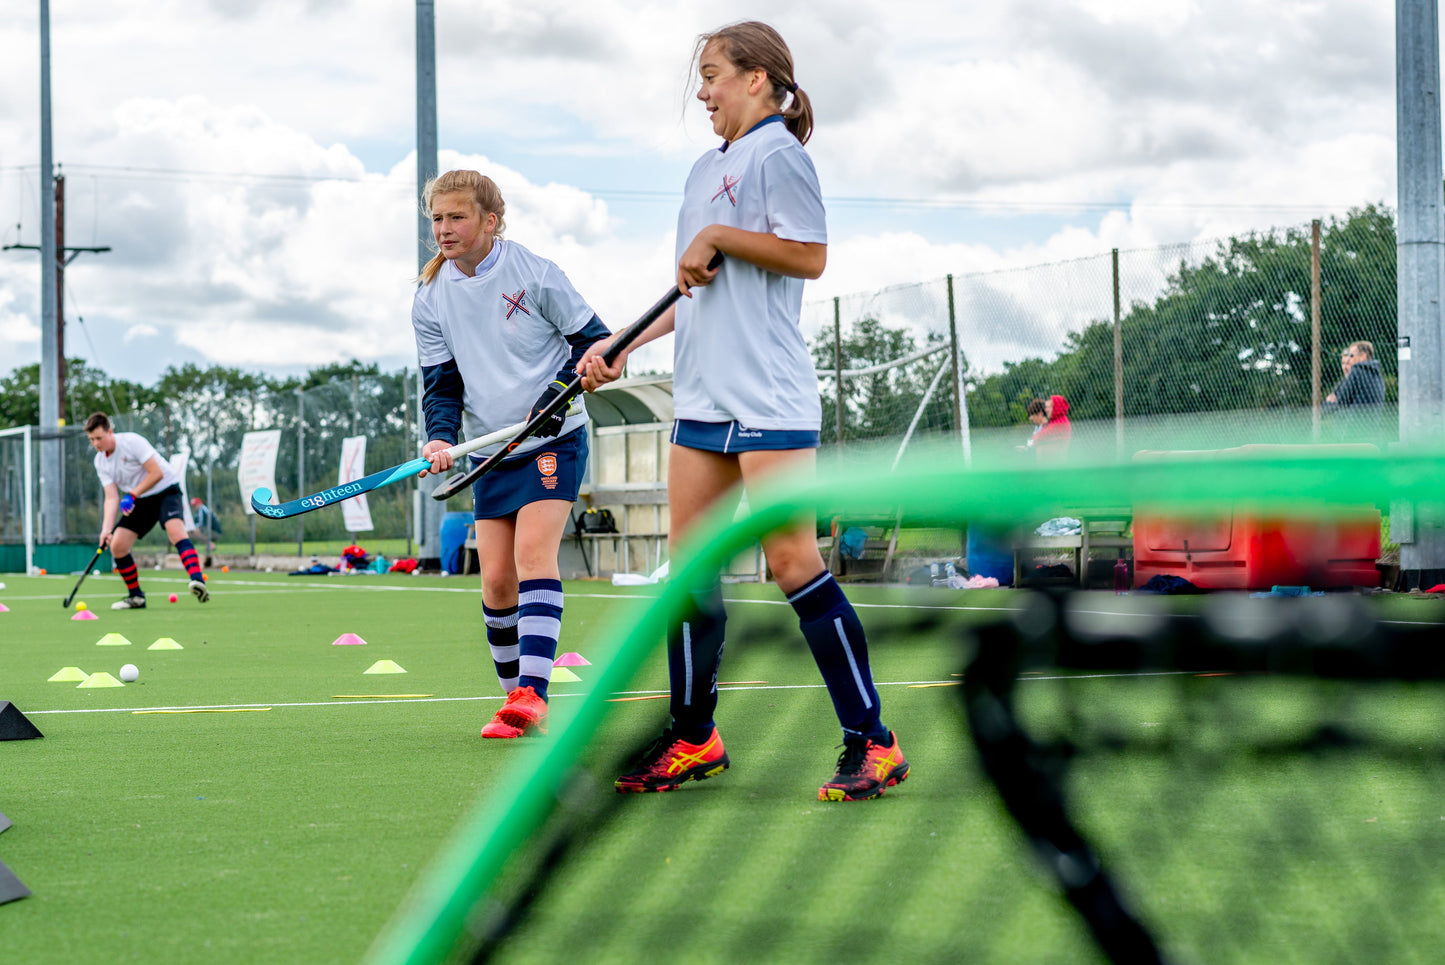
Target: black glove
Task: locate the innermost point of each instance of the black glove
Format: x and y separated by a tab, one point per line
553	425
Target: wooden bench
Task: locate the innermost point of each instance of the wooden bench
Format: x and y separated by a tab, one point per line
1098	530
879	546
619	497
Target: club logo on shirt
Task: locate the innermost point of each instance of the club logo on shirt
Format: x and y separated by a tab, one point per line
727	189
547	465
516	302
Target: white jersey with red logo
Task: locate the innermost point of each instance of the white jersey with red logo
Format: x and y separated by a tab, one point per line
506	329
125	466
738	351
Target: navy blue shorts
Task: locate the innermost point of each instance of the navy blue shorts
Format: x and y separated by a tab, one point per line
552	471
152	508
733	437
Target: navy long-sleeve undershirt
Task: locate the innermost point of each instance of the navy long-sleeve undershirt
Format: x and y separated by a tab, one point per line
443	388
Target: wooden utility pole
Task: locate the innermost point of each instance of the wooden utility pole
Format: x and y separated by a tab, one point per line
63	257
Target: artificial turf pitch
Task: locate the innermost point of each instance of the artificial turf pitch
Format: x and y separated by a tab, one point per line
285	824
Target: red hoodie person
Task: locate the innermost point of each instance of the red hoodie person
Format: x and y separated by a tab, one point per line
1051	442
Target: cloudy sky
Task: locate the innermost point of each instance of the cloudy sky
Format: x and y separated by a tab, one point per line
251	163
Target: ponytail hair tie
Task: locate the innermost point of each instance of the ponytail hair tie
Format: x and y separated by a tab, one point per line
791	88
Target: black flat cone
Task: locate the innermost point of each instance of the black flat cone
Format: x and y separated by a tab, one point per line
11	887
14	726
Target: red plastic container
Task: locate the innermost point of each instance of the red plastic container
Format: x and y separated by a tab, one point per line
1250	552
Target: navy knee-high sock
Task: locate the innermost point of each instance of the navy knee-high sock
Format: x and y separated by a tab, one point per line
835	635
502	641
694	651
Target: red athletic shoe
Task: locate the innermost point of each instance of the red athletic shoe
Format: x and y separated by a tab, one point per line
865	768
670	762
523	712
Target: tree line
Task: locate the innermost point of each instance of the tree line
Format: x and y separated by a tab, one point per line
206	412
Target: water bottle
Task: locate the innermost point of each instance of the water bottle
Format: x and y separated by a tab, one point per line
1121	576
933	572
952	573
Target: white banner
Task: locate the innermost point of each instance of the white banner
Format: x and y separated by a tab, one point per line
354	511
258	464
178	463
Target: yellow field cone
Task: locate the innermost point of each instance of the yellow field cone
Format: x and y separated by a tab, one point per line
101	679
165	643
112	640
384	666
68	675
563	675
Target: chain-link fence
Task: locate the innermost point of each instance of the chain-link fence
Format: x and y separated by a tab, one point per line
209	428
1217	345
1207	345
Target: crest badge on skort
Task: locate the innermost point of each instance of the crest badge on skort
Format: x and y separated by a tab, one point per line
547	465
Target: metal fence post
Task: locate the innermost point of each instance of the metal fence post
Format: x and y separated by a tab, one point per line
407	441
300	467
1315	329
1118	364
960	390
838	370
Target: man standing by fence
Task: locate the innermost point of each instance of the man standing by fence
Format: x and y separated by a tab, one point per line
1363	383
1357	402
208	527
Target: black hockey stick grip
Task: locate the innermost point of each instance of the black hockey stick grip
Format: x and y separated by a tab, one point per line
455	484
88	567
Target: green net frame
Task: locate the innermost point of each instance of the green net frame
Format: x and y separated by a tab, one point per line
1310	484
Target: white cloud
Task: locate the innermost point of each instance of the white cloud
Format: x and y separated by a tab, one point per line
1193	120
15	327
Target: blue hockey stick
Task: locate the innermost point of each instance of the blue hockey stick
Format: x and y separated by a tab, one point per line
261	497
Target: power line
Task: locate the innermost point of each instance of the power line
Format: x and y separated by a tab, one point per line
634	194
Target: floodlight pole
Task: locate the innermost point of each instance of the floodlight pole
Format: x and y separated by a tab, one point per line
50	489
430	511
1420	248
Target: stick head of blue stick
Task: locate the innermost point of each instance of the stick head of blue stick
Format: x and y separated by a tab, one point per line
261	502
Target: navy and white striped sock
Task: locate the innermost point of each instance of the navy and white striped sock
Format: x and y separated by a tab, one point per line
502	639
539	608
835	635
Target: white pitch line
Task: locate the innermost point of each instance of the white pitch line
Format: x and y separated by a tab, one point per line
309	703
621	693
